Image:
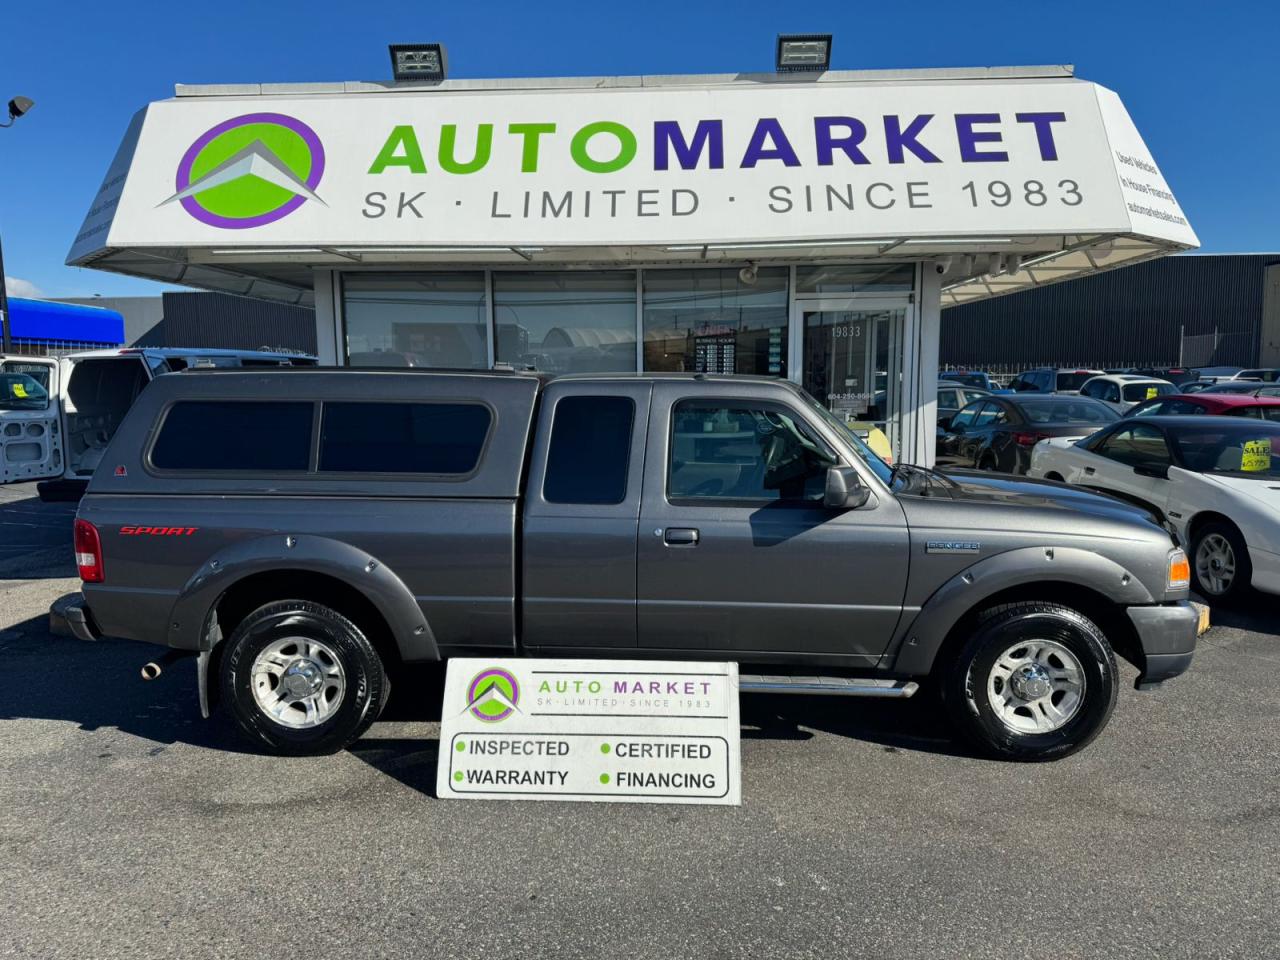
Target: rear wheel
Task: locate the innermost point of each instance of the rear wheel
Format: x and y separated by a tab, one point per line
1035	681
1220	562
299	678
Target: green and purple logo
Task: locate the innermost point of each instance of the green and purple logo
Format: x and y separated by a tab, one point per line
249	171
493	695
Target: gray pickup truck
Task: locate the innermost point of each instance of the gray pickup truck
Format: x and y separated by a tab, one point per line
304	532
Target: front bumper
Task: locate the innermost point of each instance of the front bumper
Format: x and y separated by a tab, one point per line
69	617
1167	638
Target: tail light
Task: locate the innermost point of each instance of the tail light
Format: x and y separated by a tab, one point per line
88	551
1028	439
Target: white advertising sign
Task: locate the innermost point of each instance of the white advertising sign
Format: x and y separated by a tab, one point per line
639	731
638	166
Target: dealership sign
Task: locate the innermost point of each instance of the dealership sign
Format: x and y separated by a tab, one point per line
595	730
643	166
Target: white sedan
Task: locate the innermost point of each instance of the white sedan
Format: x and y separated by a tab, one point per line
1215	479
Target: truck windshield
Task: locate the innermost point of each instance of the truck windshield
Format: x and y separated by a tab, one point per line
878	466
20	392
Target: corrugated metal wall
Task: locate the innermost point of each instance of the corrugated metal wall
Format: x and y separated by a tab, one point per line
231	322
1132	316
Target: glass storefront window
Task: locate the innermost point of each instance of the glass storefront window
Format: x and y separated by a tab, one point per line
856	278
566	321
709	321
415	320
852	364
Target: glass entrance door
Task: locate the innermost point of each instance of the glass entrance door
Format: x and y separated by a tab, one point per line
852	363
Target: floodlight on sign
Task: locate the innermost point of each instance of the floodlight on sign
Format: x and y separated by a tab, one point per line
418	61
798	52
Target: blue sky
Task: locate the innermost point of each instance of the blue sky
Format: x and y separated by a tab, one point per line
1198	78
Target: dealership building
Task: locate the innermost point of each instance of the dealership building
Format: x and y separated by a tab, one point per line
804	225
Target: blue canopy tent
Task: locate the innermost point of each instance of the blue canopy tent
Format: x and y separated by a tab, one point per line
42	325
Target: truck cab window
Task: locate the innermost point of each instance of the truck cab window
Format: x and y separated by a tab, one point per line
590	450
744	451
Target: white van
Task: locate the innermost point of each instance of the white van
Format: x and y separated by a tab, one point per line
57	414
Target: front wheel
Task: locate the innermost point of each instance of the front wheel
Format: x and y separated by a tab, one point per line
299	678
1220	562
1036	681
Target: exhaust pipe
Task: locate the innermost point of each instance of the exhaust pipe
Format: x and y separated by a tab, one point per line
154	668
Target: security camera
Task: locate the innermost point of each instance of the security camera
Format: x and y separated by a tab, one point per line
747	275
942	266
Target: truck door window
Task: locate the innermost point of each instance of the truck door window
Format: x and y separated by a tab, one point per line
744	451
590	449
426	438
18	391
39	372
234	435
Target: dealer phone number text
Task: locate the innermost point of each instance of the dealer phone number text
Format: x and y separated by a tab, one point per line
1033	193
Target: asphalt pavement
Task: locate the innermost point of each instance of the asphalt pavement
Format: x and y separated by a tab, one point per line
130	827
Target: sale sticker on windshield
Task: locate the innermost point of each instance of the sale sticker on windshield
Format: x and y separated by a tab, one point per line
1256	457
594	730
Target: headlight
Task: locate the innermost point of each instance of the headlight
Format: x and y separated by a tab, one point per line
1179	577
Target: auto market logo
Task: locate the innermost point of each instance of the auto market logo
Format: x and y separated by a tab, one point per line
493	695
249	171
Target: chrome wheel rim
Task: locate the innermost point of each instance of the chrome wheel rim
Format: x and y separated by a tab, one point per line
1215	564
1036	686
298	682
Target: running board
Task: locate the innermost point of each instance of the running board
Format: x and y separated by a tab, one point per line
828	686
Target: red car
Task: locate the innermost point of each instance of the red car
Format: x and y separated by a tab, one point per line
1217	404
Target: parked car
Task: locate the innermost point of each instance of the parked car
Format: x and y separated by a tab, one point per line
1216	404
1175	375
86	395
970	378
1214	479
1264	374
951	397
997	433
1121	391
1051	380
698	517
1246	388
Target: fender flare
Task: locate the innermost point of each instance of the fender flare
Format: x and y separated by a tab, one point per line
191	618
918	643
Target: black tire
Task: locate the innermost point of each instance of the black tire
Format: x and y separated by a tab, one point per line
1239	586
366	686
965	685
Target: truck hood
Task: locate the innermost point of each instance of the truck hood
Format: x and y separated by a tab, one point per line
984	487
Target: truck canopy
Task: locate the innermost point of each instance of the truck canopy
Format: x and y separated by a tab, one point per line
325	432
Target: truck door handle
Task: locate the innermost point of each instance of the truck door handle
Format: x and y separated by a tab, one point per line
1088	471
680	536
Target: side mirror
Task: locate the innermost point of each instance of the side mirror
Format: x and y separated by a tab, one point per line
1159	471
845	489
944	423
